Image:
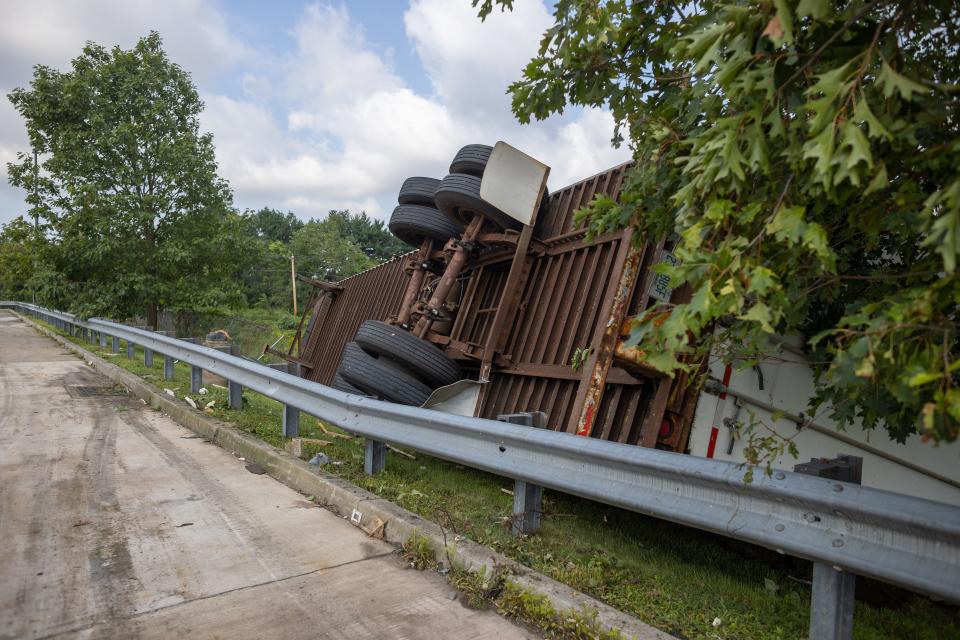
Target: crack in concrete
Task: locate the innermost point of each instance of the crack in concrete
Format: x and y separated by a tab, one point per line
210	596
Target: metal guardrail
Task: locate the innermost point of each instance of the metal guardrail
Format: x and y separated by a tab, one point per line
904	540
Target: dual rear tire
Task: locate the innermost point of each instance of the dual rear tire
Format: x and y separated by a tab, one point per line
391	363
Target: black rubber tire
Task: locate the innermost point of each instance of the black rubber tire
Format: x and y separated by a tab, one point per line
414	222
381	379
340	384
420	357
418	191
458	197
471	160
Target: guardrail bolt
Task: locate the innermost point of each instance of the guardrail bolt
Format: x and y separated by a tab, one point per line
832	597
527	497
374	456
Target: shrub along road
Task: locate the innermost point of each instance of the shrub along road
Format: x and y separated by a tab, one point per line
118	522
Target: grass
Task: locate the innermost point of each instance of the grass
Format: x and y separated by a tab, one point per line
483	591
676	578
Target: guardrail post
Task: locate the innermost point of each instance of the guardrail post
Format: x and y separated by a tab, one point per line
196	373
168	370
833	590
196	379
234	389
148	353
115	345
291	415
527	497
374	456
130	349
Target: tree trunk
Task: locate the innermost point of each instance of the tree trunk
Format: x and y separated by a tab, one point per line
152	315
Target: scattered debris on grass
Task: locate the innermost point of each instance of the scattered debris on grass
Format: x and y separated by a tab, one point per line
405	454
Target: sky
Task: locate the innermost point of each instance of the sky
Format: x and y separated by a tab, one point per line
320	106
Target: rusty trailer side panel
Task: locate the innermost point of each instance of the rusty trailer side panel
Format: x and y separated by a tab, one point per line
575	296
374	294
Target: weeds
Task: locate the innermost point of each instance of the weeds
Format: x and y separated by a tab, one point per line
418	552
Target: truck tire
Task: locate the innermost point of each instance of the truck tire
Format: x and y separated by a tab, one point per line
420	357
414	222
458	197
381	378
418	191
471	160
340	384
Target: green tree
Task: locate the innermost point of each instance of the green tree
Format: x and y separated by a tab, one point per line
804	157
127	185
274	225
372	236
323	252
23	260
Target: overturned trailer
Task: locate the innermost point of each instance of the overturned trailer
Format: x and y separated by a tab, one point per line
510	298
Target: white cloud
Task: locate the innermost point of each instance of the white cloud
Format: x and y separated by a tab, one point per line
330	123
53	32
471	63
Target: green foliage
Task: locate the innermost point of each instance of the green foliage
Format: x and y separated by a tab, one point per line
335	247
323	252
804	157
418	552
372	236
579	357
127	185
273	225
23	260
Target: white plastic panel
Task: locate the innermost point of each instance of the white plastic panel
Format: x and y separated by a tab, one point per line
512	182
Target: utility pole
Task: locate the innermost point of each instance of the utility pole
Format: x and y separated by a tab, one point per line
36	221
293	282
36	174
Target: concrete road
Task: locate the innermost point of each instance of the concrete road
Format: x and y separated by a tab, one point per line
118	523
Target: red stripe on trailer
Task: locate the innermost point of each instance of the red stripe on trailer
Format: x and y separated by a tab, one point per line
587	423
714	432
727	371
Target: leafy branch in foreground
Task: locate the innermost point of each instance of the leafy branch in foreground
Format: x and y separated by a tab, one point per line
804	158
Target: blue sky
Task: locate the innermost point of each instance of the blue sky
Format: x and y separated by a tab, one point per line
321	105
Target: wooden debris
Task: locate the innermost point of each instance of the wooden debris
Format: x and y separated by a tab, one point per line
333	434
295	446
403	453
374	528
